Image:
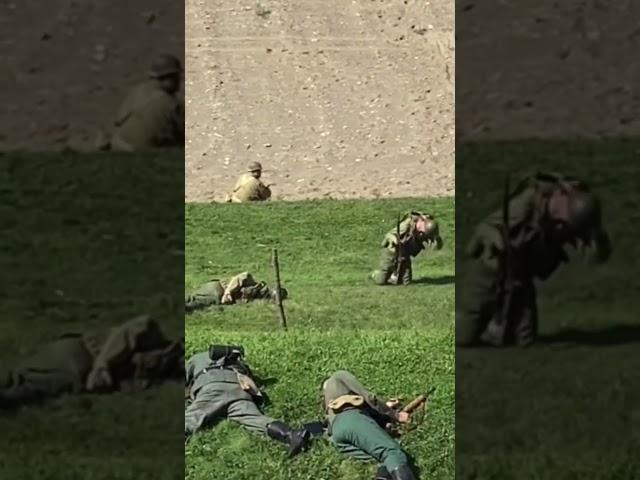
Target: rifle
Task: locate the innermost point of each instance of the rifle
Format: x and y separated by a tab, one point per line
411	408
398	255
276	268
506	272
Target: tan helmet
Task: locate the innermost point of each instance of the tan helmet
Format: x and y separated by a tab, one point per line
164	65
254	167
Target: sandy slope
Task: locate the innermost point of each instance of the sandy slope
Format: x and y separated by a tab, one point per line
337	99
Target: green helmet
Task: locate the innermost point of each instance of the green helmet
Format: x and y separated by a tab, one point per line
164	65
283	293
584	214
254	167
584	219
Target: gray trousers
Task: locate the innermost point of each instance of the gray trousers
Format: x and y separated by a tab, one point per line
218	400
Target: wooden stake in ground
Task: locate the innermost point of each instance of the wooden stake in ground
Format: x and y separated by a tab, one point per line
276	268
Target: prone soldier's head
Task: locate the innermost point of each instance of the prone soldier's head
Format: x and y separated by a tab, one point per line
255	169
283	293
167	71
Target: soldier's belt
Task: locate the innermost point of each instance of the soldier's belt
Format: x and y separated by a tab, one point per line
346	401
207	369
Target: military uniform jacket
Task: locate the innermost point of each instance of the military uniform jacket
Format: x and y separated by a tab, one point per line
341	392
250	189
533	251
200	370
148	118
412	241
135	351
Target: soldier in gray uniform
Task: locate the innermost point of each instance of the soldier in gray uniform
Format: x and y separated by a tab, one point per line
221	385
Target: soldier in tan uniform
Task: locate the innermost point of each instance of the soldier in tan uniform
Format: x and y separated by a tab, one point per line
249	187
134	355
414	232
547	215
151	116
240	288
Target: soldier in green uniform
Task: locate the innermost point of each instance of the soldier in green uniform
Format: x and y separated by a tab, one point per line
416	231
546	214
221	385
151	116
240	288
134	355
249	187
357	422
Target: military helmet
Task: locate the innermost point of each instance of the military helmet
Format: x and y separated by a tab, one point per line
283	293
583	211
254	167
431	227
164	65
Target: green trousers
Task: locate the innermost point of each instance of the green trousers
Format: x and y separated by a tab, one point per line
477	306
218	400
389	265
358	435
208	295
61	366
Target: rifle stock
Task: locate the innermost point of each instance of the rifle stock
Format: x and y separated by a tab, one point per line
415	403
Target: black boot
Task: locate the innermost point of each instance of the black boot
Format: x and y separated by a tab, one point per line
383	473
296	439
403	472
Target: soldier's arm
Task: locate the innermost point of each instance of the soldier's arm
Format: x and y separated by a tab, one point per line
354	385
391	238
127	339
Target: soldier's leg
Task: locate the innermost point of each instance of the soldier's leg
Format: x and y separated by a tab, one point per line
476	304
525	329
386	268
405	272
56	368
210	404
247	414
359	436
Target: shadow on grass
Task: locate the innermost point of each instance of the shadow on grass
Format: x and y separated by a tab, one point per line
616	335
444	280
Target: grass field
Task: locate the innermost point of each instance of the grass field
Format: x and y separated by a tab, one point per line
568	407
398	340
87	243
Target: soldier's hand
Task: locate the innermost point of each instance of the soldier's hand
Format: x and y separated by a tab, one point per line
226	299
404	417
99	379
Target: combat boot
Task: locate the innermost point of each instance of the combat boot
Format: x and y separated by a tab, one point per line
296	439
403	472
383	473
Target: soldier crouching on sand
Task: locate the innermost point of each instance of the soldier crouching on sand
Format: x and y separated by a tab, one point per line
249	187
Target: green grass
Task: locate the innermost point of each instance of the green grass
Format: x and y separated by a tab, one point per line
90	241
567	408
398	340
